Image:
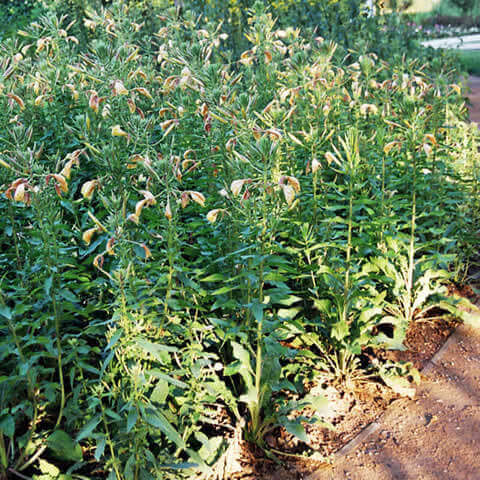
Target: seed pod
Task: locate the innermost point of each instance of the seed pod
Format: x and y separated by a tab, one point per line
148	197
427	149
143	91
389	146
185	199
131	105
291	181
94	101
39	100
139	207
367	108
330	157
98	262
61	185
133	218
109	248
274	134
431	138
66	170
456	88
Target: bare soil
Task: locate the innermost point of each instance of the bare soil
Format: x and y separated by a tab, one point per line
474	97
436	436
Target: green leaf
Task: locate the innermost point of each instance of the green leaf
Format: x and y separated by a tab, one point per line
157	420
319	403
257	310
163	376
6	312
132	418
7	425
223	290
129	467
232	369
157	350
48	285
89	427
288	313
242	355
113	414
115	337
210	449
107	362
102	441
160	392
289	301
112	475
64	447
271	371
322	305
297	429
215	277
68	296
340	330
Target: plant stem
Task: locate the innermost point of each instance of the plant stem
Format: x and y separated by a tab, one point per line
382	204
3	457
14	234
19	475
53	294
109	442
411	249
346	287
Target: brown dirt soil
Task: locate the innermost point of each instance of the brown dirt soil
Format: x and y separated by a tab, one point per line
474	84
434	437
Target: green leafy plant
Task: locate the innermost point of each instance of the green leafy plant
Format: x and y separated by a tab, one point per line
414	290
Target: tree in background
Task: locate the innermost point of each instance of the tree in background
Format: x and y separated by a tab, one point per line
465	5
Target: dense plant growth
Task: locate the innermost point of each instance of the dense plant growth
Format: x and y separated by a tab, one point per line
190	238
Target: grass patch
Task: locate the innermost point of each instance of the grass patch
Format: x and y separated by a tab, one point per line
470	61
423	9
422	6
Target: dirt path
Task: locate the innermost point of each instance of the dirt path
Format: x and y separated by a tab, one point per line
474	84
436	436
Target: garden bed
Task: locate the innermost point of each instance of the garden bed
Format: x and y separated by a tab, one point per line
205	250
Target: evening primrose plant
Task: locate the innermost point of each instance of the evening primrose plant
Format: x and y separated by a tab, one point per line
192	238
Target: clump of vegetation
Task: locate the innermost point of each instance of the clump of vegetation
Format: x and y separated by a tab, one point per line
188	235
